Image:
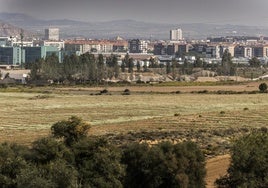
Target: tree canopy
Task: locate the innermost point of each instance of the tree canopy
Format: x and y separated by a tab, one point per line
249	163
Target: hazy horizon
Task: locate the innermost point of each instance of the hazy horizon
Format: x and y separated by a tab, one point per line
172	11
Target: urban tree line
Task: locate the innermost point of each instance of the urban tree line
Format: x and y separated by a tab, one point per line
87	68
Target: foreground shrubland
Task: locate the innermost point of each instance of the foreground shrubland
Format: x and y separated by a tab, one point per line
68	158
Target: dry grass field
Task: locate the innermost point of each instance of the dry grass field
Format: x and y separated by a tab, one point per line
28	115
149	114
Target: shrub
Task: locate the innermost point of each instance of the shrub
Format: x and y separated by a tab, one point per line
126	92
104	91
71	130
249	163
203	91
140	82
222	112
98	163
164	165
263	87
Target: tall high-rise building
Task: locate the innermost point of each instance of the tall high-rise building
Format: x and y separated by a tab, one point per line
175	34
52	34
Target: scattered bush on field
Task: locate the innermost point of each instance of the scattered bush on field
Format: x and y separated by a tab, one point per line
126	92
104	91
263	87
222	112
40	97
203	91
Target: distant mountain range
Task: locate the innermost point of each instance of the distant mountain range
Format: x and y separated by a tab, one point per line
128	28
9	30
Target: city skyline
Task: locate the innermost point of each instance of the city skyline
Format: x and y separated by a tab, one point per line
172	11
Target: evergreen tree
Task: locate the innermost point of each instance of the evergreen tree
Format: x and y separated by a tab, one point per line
254	62
173	67
168	68
227	64
69	68
51	68
123	66
130	65
100	67
35	68
138	66
115	66
198	63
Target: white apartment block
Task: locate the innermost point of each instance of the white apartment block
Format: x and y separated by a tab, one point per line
143	46
175	34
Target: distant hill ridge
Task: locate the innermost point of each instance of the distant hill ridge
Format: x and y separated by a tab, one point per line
130	28
8	29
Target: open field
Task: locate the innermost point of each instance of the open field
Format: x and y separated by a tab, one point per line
25	116
149	114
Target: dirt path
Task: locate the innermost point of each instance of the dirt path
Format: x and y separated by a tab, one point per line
216	167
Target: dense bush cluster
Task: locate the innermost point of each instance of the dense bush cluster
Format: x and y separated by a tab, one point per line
249	163
68	158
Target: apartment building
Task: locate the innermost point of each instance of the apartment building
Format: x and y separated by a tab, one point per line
212	51
52	34
95	46
243	51
33	53
11	55
175	34
230	48
138	46
171	49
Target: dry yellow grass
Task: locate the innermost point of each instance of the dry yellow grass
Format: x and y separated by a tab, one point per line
24	116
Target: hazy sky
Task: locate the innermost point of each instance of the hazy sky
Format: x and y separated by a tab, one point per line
246	12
